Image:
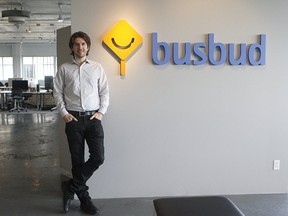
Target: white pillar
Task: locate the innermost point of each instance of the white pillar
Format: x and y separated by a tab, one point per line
17	59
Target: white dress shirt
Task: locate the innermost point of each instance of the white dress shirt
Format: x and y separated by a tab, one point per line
81	88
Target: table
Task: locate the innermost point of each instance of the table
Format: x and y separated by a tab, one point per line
5	88
40	96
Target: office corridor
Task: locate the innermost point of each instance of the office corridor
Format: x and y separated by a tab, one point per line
30	175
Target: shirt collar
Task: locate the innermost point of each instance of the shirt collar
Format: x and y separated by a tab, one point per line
86	61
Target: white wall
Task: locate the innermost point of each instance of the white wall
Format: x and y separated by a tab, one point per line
5	50
18	50
28	49
187	130
39	49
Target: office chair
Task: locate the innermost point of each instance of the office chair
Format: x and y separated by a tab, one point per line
17	98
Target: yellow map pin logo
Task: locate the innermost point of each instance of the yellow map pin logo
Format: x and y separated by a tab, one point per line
123	40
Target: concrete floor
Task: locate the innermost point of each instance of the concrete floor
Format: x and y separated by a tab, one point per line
30	176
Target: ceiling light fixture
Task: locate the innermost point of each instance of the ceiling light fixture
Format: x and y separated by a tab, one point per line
60	18
15	16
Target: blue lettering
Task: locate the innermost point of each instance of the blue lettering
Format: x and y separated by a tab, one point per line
216	53
202	58
219	47
187	54
242	56
157	46
259	49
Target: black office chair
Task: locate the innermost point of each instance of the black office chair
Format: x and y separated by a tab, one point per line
17	98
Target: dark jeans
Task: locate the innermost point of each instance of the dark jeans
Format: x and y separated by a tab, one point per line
77	132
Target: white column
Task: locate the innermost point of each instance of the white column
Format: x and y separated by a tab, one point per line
17	59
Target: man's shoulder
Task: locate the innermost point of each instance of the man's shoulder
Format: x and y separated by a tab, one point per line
94	64
90	61
66	65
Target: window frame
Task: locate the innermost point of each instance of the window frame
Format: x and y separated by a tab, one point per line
38	67
3	67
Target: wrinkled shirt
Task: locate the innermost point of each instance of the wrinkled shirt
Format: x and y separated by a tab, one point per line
81	88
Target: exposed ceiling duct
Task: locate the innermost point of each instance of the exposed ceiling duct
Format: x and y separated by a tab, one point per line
15	16
33	21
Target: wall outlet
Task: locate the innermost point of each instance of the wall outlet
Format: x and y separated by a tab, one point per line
276	164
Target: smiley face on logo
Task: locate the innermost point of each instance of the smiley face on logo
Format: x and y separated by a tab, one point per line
123	40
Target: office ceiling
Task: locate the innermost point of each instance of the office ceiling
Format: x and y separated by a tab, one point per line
40	27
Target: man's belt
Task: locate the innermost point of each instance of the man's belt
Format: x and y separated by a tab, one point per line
85	113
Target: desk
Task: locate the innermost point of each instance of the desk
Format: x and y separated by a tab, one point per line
40	96
3	96
4	88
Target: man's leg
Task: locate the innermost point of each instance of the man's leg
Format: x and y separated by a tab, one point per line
74	131
94	136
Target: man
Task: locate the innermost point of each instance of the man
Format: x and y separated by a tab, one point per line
82	97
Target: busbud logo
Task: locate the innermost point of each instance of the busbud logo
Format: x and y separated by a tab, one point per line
122	40
200	53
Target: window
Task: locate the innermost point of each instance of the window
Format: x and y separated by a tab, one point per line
6	68
39	67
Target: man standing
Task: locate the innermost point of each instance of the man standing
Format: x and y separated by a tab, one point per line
82	97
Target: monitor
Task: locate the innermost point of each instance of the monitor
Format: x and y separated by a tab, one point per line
11	79
48	82
20	84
